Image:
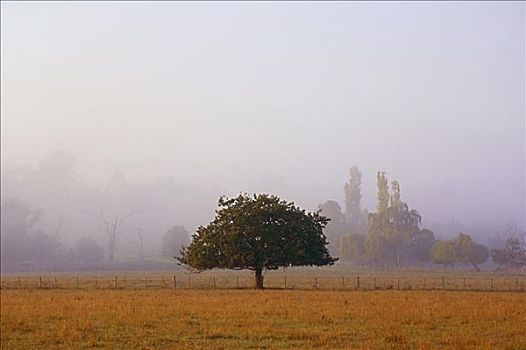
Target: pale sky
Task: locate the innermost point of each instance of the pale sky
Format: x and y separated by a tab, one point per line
280	97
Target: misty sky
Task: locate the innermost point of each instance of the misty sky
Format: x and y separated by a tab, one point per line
280	97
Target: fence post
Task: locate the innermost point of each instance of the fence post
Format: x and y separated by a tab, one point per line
443	283
55	282
316	283
77	282
343	282
115	282
398	283
237	281
214	281
175	283
39	281
491	281
285	280
425	283
357	282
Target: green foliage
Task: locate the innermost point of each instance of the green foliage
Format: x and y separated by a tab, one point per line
419	247
383	193
353	197
392	227
512	256
461	249
258	232
445	253
353	248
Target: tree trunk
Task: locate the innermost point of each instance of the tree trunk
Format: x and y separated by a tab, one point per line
259	278
111	250
475	266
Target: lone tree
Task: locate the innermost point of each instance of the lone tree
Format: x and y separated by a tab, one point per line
461	249
256	233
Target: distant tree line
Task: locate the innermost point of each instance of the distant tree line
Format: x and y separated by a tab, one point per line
512	256
392	236
22	242
105	213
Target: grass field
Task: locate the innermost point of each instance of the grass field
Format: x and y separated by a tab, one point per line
273	319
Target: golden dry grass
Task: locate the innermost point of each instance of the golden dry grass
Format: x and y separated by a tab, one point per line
273	319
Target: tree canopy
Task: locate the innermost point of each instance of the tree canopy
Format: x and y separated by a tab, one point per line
461	249
337	225
392	228
511	256
258	232
353	196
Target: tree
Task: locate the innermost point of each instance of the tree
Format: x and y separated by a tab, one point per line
140	243
87	249
353	196
461	249
419	247
337	225
445	253
20	240
352	247
512	256
258	232
17	220
393	225
470	251
113	228
403	224
478	254
378	223
174	239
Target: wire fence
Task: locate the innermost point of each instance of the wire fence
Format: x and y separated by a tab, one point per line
245	281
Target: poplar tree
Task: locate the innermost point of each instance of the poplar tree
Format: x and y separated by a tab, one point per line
353	197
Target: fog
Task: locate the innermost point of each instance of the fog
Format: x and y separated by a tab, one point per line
166	106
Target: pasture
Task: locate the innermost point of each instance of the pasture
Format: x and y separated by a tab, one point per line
270	319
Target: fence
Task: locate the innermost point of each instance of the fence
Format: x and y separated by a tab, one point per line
244	281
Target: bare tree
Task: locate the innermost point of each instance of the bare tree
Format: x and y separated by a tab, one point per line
140	246
60	223
113	228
